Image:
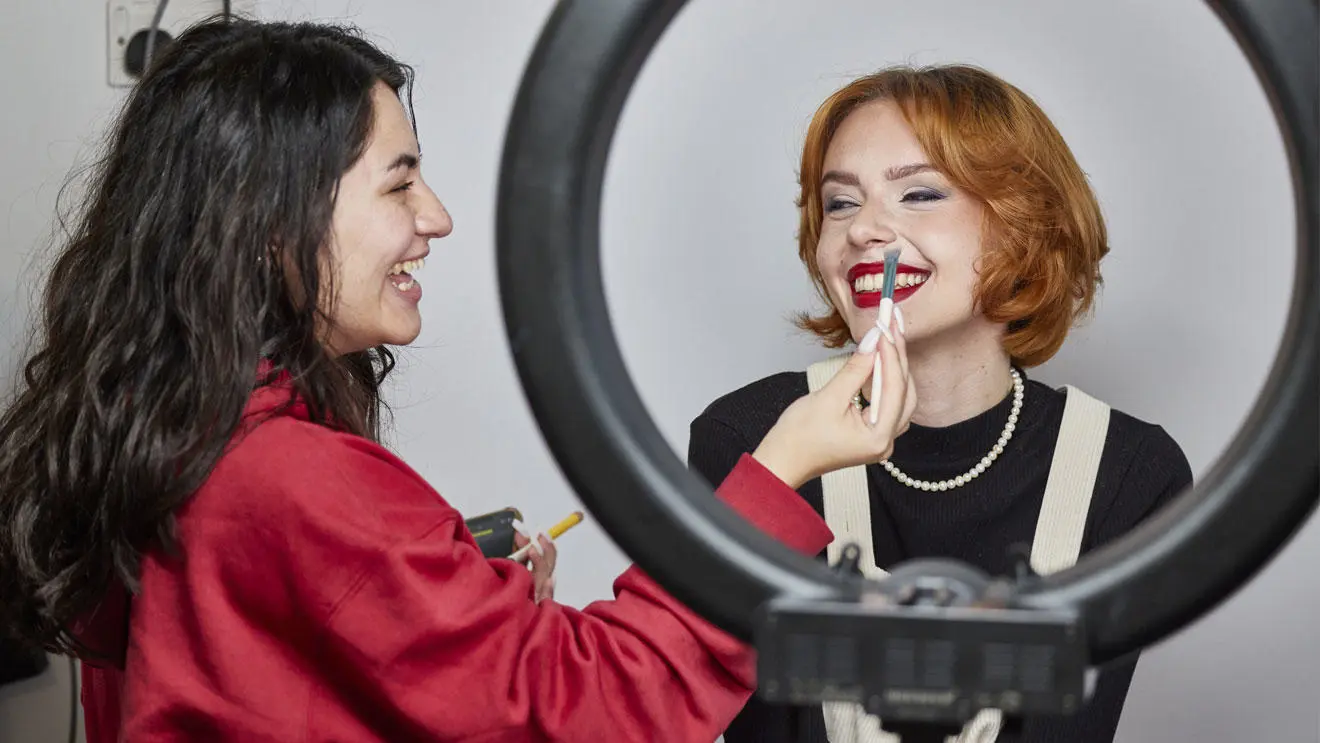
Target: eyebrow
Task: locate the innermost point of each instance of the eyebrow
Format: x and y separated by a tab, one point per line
903	171
898	172
406	161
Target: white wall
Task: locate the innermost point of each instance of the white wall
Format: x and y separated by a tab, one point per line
699	256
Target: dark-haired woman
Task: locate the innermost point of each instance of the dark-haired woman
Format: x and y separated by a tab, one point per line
193	496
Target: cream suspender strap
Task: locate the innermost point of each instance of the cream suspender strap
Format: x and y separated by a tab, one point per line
847	499
1058	539
1072	479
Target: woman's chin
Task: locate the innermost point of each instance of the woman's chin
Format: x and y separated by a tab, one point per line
403	337
394	336
401	327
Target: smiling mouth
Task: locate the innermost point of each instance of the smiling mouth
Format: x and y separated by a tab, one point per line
401	274
867	279
873	282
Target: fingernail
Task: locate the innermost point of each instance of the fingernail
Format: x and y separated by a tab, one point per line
898	315
869	341
520	527
888	335
876	391
886	312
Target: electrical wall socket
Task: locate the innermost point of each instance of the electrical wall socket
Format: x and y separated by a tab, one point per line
128	21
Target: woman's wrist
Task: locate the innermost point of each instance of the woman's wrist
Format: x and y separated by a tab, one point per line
781	464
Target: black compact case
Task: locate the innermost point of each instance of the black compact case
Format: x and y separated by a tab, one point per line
494	531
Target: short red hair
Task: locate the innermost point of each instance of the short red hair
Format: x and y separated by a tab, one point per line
1044	235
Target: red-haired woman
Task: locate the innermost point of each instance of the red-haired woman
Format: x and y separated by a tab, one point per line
1001	240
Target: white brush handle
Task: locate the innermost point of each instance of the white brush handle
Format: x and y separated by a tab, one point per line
882	322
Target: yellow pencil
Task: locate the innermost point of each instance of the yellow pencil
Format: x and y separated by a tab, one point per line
554	532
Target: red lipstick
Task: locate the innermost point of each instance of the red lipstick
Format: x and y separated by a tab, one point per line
869	299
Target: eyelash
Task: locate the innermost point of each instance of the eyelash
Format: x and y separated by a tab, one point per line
405	187
923	196
926	195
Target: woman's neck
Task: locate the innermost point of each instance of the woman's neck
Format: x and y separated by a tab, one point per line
959	380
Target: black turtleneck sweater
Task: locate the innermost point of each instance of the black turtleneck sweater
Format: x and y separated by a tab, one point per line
980	523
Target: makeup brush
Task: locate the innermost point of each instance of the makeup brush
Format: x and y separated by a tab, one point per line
882	322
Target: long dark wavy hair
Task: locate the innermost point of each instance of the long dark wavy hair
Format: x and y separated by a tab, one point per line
205	220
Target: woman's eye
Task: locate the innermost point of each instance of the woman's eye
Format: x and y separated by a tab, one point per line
922	195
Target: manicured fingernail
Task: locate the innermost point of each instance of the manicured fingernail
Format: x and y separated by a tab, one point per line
875	392
520	527
884	331
869	341
898	315
534	541
886	311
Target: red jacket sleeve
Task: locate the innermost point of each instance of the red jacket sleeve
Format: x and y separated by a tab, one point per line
433	641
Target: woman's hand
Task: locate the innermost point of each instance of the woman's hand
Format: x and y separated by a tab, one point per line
542	557
824	430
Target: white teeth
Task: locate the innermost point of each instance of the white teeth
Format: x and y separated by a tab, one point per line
875	281
405	286
407	266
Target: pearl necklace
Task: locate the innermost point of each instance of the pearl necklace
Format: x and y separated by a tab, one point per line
981	466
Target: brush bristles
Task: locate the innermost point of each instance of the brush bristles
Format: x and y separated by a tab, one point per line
891	272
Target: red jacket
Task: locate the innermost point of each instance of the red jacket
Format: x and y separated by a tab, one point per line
326	592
